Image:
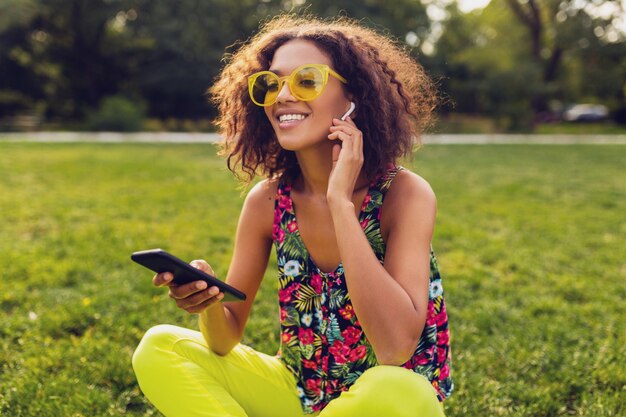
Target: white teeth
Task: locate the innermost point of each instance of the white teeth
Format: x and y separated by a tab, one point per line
286	117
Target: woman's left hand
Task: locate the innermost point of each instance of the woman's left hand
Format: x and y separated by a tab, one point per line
347	160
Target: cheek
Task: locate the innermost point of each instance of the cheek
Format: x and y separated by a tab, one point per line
336	103
330	110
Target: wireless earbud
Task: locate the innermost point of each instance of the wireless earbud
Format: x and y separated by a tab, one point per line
350	110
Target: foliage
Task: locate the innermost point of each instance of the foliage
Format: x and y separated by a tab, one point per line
118	114
530	241
517	59
60	58
65	56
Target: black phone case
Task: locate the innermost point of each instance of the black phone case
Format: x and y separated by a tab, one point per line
159	261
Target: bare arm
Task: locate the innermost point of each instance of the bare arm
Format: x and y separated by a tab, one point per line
391	300
222	324
223	328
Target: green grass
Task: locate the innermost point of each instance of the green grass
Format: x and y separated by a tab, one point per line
596	128
459	123
531	243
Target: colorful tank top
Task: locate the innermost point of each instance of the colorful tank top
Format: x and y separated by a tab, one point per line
322	342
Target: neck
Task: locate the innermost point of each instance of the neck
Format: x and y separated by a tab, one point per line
315	167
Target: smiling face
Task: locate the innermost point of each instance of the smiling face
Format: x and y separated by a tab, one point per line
302	124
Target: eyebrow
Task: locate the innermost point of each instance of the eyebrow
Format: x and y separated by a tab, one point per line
277	71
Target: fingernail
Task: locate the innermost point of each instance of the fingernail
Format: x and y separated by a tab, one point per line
213	291
200	285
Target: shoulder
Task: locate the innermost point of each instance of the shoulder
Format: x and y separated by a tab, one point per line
258	208
409	194
408	187
263	193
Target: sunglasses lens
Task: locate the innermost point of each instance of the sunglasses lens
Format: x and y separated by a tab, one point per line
307	83
265	89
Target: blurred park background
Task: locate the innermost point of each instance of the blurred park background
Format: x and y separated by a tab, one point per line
531	238
542	66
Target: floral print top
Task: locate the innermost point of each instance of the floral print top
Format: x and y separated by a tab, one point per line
322	342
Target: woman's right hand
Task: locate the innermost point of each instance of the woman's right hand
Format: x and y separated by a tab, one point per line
193	297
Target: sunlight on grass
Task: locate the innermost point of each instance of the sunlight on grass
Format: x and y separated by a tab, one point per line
531	243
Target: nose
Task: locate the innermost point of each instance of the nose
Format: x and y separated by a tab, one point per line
284	94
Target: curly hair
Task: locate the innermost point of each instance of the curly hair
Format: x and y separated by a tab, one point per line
394	96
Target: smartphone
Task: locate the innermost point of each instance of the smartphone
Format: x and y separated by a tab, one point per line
159	261
350	110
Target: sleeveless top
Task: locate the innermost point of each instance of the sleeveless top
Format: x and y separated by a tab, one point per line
322	342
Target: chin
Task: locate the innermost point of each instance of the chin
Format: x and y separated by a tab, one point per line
298	143
289	144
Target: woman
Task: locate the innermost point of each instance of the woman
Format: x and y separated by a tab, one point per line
363	321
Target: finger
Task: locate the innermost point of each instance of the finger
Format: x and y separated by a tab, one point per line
345	127
355	134
344	137
162	279
352	131
351	147
203	306
339	122
340	135
350	121
336	151
358	143
178	292
358	135
202	265
199	298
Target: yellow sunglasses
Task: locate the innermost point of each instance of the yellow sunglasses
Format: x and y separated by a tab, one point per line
306	83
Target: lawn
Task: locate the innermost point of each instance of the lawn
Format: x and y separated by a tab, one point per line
531	242
455	123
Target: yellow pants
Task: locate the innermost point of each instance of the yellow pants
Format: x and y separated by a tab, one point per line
181	376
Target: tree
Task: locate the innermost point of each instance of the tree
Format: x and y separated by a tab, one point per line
496	64
558	27
63	57
68	54
482	68
19	89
